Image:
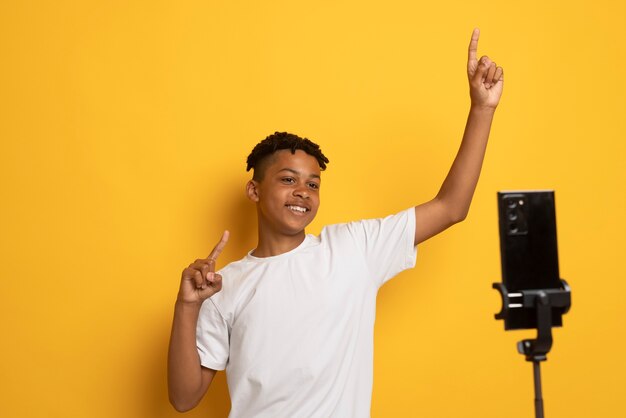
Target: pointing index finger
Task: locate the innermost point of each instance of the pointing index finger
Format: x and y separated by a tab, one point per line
473	46
218	250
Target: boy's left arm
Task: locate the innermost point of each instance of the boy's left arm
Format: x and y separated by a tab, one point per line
452	203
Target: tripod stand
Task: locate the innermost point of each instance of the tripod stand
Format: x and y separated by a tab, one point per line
542	301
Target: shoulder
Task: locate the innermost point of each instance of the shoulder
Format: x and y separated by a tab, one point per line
233	268
233	276
363	227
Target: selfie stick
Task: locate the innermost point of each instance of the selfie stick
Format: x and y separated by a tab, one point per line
542	300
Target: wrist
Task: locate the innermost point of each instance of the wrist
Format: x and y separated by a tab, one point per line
185	305
482	109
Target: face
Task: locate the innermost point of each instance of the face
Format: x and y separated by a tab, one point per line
288	195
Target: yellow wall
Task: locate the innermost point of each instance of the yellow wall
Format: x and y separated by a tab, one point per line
124	128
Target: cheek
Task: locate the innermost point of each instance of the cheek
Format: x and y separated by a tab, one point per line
278	199
315	206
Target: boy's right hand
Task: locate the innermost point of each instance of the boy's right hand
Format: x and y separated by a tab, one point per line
199	281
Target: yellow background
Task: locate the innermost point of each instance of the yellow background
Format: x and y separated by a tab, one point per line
124	130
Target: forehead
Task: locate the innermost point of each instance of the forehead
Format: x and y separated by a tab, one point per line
301	162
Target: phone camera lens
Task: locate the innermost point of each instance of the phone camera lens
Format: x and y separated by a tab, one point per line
512	204
512	216
513	228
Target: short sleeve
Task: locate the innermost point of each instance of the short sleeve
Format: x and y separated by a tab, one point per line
212	337
387	244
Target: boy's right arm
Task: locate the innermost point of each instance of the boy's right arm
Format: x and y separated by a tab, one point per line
187	380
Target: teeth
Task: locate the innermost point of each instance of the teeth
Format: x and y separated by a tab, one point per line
297	208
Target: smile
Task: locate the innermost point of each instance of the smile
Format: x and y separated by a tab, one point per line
297	208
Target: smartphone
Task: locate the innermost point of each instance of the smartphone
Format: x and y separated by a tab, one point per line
528	250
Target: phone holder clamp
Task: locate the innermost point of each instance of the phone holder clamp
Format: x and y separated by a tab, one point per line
543	301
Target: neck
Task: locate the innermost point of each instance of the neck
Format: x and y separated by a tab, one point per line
272	243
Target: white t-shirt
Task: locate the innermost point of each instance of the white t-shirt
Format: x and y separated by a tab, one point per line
295	331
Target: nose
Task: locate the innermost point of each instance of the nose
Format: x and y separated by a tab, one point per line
301	192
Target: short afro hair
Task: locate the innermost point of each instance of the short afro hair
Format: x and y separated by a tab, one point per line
279	141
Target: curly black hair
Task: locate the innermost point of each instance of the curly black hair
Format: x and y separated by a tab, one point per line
278	141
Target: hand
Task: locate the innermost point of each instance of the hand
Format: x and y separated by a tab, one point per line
199	281
485	78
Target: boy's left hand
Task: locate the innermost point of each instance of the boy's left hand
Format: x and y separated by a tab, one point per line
485	78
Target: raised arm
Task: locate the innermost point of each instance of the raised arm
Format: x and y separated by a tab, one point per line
452	203
187	380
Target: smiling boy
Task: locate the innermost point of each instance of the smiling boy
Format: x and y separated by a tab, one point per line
292	322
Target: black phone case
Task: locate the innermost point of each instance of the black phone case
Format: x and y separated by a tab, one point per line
528	249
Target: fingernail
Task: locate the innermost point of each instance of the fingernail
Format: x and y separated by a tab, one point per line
487	85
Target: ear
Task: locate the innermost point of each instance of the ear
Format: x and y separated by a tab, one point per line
252	190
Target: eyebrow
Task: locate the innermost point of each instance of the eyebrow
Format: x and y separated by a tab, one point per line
296	172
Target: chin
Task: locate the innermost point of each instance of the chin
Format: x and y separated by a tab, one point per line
295	229
291	231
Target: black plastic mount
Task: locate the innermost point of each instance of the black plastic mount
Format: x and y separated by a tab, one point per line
542	300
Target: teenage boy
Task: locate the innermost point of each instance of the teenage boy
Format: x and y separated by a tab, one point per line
292	322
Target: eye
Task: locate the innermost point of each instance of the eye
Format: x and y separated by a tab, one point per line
314	186
288	180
